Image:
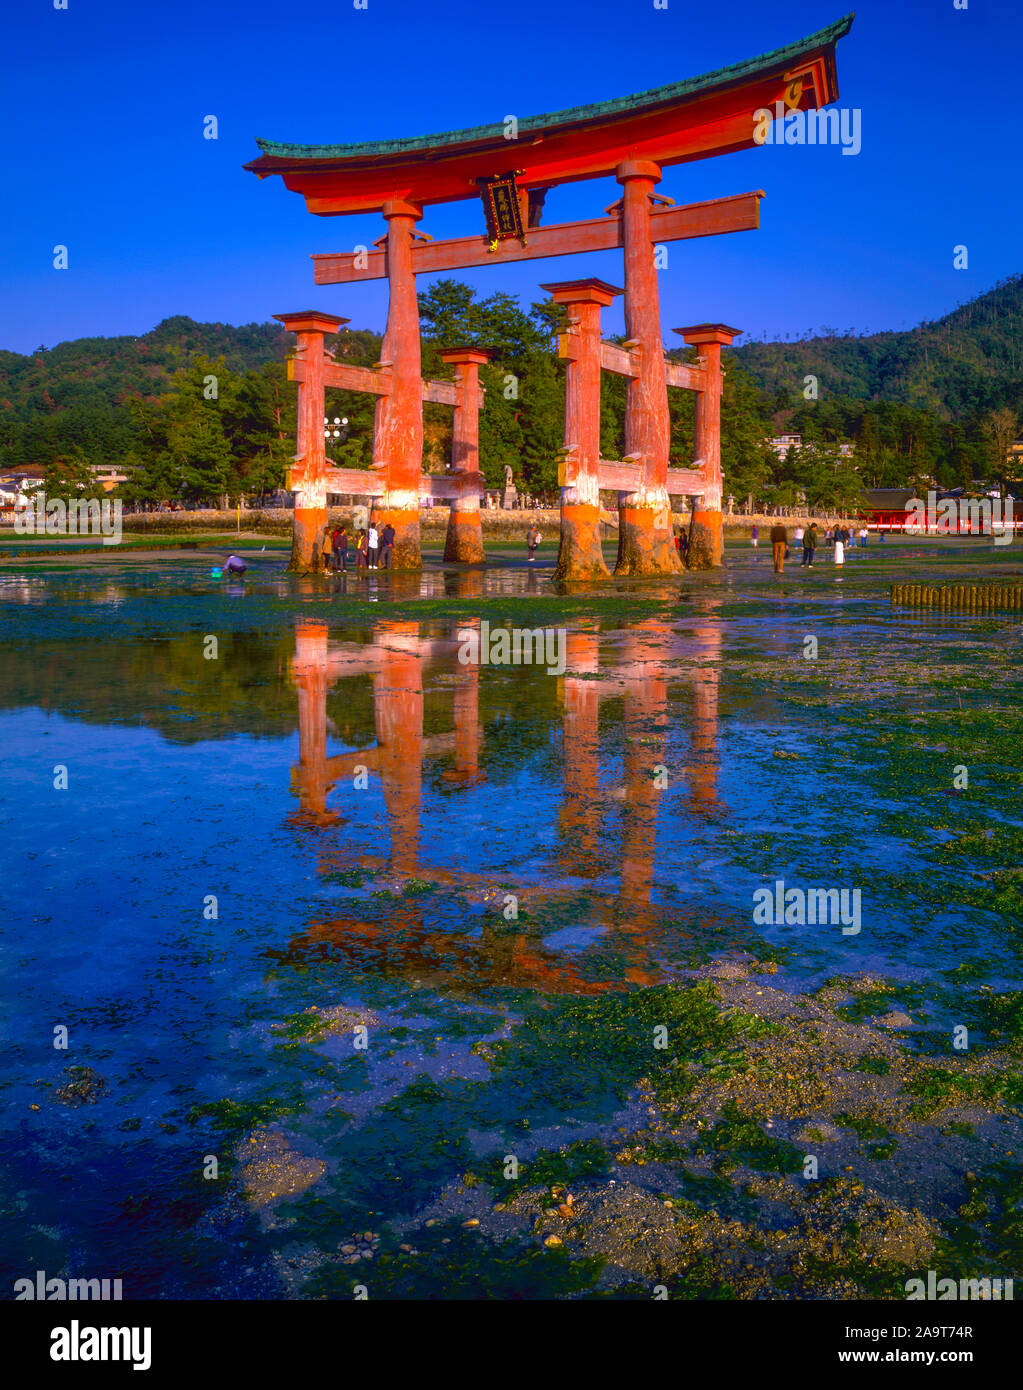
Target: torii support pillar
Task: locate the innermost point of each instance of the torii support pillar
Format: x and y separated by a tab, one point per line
580	555
308	477
706	544
464	541
646	542
398	425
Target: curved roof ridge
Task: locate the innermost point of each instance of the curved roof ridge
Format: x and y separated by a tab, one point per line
652	97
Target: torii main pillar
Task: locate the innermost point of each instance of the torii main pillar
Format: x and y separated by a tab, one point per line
706	545
464	540
646	543
398	423
580	555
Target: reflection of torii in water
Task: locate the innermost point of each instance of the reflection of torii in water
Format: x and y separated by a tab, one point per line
641	678
395	659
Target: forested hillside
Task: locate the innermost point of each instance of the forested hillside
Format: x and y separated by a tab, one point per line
77	398
940	401
144	404
966	364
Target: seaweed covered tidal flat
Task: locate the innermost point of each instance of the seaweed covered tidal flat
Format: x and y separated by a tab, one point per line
337	958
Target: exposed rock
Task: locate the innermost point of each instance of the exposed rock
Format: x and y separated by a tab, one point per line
818	1132
271	1170
342	1019
84	1087
895	1020
729	970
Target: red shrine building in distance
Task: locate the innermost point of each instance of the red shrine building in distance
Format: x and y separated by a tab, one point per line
510	166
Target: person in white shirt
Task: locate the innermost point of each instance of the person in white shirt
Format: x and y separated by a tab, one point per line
799	536
372	547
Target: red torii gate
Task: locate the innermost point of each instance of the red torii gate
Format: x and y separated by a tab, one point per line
633	139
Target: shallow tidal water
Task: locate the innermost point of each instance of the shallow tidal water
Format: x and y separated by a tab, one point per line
360	921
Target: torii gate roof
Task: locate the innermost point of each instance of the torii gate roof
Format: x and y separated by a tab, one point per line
683	121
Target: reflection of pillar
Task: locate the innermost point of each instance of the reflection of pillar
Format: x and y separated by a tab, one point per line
308	479
309	672
398	424
703	796
466	716
398	714
579	820
399	939
580	555
645	541
706	546
645	719
463	584
464	541
403	585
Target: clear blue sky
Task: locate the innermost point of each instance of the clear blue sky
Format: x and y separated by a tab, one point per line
103	106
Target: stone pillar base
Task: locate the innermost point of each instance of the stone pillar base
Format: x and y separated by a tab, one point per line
463	544
307	540
407	554
580	555
645	544
706	541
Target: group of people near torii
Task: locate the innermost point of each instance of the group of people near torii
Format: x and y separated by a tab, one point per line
373	548
808	541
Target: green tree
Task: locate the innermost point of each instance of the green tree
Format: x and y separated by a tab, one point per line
543	423
1000	429
259	424
67	478
189	453
747	459
828	479
522	424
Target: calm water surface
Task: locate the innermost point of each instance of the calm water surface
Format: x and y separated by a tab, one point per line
334	824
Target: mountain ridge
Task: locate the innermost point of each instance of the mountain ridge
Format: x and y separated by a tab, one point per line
965	363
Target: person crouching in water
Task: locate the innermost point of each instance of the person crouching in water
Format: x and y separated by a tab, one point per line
235	565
